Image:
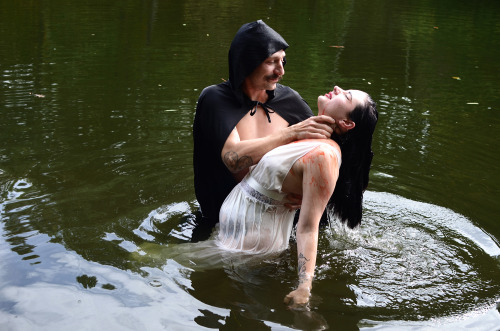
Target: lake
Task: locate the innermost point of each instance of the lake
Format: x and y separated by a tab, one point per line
97	100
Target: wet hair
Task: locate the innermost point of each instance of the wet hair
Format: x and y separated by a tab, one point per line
356	146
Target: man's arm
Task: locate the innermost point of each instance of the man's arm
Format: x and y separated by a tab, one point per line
238	155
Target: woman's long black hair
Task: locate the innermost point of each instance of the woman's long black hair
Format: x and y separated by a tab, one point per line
356	146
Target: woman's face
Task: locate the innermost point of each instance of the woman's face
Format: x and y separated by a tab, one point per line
339	103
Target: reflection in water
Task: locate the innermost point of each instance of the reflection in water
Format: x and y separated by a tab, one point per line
114	299
406	259
97	106
19	203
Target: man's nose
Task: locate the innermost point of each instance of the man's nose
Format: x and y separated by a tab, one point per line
279	69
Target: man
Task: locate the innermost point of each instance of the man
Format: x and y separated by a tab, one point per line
240	120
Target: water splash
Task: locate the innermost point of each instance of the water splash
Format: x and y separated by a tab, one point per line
409	256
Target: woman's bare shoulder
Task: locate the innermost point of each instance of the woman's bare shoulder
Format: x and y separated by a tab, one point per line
329	142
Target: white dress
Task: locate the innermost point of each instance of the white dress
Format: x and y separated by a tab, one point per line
253	218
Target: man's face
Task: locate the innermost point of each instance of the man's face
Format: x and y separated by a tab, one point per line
268	73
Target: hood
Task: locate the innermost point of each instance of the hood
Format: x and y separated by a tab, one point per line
253	43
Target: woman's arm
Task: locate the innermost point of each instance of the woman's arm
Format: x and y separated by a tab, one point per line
319	176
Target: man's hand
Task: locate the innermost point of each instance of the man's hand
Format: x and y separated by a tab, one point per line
298	298
294	201
316	127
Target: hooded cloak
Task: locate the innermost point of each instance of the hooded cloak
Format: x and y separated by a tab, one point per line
220	107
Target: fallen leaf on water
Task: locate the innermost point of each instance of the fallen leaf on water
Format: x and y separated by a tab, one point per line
337	46
38	95
457	78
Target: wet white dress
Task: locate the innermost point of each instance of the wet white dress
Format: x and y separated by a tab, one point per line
253	218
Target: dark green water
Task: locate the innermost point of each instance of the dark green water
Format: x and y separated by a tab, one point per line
96	105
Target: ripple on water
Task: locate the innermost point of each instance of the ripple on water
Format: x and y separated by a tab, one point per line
18	198
411	256
408	261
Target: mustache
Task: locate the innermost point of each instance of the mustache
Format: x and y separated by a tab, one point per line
273	76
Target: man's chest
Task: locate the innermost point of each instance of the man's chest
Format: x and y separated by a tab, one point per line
258	125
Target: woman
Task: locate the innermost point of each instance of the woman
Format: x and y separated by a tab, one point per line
254	217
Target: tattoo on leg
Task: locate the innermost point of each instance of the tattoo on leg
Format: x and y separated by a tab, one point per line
235	163
302	268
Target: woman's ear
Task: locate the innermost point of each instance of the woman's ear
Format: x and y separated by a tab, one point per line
346	125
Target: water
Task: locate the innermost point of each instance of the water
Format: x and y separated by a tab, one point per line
97	101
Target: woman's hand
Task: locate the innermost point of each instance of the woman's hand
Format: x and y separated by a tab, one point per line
298	298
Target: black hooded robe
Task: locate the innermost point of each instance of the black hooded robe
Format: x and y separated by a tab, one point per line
220	107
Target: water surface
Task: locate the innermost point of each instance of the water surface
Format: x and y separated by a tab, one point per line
97	101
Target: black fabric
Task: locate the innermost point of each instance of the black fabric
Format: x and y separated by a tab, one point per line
220	107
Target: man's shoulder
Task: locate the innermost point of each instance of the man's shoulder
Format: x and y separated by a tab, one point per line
290	105
218	105
215	90
286	94
291	102
286	91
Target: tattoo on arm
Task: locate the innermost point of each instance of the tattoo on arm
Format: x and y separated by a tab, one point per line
235	163
302	268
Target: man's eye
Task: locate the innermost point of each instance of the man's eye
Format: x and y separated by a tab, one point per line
274	62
